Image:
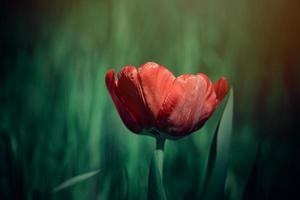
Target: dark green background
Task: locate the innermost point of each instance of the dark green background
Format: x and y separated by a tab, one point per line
57	119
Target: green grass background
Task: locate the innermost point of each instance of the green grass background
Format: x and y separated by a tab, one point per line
57	119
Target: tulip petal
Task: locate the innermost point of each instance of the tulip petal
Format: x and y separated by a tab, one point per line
129	91
156	82
128	119
183	106
151	99
204	111
221	88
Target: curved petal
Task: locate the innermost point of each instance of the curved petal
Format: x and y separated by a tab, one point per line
129	91
155	81
127	118
208	107
221	88
183	106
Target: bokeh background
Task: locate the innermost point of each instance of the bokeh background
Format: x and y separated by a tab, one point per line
57	119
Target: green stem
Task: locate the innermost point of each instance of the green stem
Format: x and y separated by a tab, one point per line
156	189
159	154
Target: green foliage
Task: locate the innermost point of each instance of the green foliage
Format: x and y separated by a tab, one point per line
213	184
57	119
251	189
76	179
156	189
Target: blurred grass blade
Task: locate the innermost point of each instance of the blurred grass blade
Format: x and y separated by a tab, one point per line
11	176
74	180
250	191
156	189
213	185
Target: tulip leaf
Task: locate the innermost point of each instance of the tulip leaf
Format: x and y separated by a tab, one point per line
213	184
156	189
74	180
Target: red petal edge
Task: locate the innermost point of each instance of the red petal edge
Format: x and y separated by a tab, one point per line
221	88
127	118
185	105
156	81
129	91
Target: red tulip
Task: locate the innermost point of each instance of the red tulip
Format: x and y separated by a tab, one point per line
150	100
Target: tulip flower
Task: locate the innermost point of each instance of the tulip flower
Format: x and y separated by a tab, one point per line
151	100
